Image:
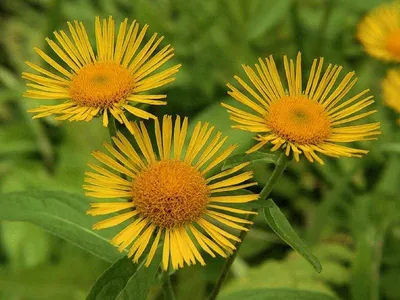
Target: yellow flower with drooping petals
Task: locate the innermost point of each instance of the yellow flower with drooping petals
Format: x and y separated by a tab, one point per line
173	197
110	80
302	121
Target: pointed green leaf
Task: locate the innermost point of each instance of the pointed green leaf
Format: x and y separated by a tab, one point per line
275	294
278	222
62	214
140	283
125	280
252	158
113	280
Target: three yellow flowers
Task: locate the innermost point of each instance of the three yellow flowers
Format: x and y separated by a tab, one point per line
174	194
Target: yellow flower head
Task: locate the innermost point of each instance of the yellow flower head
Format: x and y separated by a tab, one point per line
172	198
391	90
302	121
109	80
379	32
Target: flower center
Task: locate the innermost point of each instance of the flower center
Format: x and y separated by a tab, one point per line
299	120
101	85
393	43
170	193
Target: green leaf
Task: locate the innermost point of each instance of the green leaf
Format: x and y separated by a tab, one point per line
252	157
62	214
391	147
278	222
113	280
140	283
268	15
275	294
365	267
125	280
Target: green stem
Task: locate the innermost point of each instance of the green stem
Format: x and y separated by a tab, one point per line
280	166
296	25
276	174
167	287
112	127
319	41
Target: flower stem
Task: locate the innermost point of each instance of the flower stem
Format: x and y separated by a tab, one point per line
167	287
112	127
319	41
296	26
280	166
276	174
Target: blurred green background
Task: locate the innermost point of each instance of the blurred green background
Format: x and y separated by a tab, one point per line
347	210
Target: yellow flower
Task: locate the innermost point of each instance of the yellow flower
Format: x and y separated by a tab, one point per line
108	81
391	90
379	32
302	121
172	198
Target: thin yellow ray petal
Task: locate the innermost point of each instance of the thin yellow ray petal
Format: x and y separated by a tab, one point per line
98	209
176	256
298	81
228	171
140	142
192	247
105	159
134	44
233	210
184	249
138	112
211	149
53	63
182	137
147	142
316	78
111	222
167	136
229	217
227	222
159	139
217	236
234	198
126	147
232	180
125	162
219	159
165	260
130	233
153	248
205	224
201	242
177	132
142	242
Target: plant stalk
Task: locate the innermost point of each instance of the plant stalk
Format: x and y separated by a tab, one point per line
296	25
319	41
276	174
167	287
112	127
